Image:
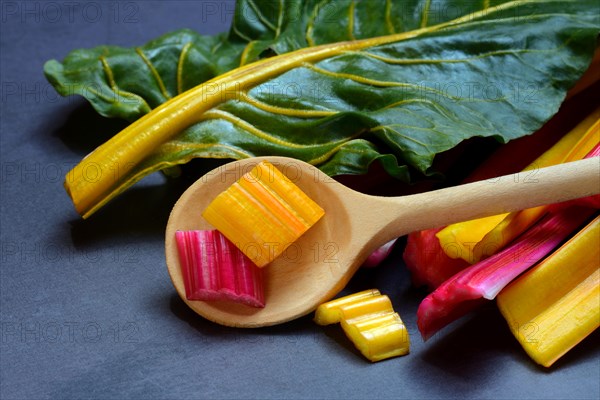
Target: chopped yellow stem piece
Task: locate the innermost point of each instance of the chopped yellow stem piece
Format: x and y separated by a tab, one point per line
369	321
368	306
556	305
263	213
477	239
378	337
331	312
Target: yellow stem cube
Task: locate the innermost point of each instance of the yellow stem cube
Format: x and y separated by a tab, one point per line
263	213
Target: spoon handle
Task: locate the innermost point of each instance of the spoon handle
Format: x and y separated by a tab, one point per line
495	196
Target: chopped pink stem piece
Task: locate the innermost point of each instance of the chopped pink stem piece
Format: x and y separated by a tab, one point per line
215	269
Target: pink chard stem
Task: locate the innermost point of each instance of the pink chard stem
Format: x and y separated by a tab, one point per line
379	255
484	280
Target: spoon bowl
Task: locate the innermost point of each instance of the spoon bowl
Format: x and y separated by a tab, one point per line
321	262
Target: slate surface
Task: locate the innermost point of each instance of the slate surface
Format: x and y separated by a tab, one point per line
88	310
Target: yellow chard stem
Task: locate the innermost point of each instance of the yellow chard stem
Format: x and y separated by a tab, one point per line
476	239
587	135
91	182
103	173
555	305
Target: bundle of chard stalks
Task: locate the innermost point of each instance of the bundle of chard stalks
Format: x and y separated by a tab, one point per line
541	264
349	85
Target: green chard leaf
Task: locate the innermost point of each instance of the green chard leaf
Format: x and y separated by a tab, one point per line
338	84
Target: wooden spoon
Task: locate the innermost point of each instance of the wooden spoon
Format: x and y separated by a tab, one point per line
317	266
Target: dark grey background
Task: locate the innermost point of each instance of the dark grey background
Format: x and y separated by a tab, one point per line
87	307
